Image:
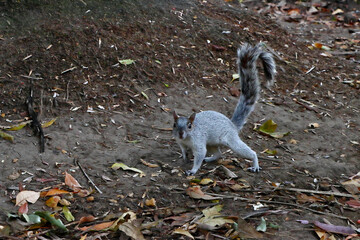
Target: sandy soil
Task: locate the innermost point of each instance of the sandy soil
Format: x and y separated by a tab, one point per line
184	56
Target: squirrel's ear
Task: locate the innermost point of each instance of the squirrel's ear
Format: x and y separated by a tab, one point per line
192	117
175	115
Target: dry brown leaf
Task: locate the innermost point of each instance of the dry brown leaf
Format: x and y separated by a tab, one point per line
132	231
97	227
149	164
27	196
71	182
195	192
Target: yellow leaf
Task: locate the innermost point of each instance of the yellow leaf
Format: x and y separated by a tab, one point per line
116	166
49	123
150	202
6	136
53	201
206	181
15	127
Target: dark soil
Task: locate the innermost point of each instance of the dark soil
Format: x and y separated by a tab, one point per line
184	54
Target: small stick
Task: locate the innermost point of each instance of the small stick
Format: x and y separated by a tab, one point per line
88	178
312	68
68	70
317	192
29	77
35	124
281	203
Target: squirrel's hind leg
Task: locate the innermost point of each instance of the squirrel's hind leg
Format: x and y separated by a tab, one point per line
215	152
244	151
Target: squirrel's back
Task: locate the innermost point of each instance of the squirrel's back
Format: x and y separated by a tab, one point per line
212	126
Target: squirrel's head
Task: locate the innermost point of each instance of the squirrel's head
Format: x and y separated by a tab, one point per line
182	125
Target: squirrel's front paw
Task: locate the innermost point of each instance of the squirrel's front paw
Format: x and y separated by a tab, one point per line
189	173
254	169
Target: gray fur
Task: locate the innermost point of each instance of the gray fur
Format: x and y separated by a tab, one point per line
206	131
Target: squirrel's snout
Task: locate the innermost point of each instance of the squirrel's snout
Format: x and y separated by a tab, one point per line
181	134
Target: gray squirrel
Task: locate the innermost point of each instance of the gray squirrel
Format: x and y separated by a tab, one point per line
205	132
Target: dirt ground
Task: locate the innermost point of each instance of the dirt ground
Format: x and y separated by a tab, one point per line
184	54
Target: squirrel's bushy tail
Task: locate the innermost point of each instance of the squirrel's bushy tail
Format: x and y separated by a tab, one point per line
249	82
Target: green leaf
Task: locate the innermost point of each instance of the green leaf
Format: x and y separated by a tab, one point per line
268	127
69	217
32	218
145	95
274	226
262	225
166	85
6	136
126	61
55	222
271	152
158	62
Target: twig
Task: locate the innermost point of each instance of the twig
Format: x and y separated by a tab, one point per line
317	192
67	91
306	106
312	68
280	203
33	78
68	70
35	124
161	129
88	178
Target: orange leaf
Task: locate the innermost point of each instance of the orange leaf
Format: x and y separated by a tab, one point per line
86	219
23	209
318	45
53	201
71	181
97	227
303	198
55	191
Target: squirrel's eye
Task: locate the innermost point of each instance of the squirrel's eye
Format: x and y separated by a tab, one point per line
189	126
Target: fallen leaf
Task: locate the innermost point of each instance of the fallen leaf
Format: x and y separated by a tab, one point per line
337	11
183	232
234	91
126	61
15	127
150	202
132	231
206	181
85	219
353	203
245	230
15	175
53	201
53	221
6	136
32	218
97	227
303	198
262	225
49	123
116	166
27	196
23	209
149	164
335	229
269	127
195	192
213	218
54	191
71	182
69	217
